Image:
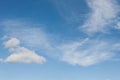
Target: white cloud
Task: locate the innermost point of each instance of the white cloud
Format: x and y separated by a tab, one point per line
87	52
13	42
24	55
31	35
84	53
21	54
103	13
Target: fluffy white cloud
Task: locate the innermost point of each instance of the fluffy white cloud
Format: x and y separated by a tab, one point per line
87	52
13	42
24	55
103	13
21	54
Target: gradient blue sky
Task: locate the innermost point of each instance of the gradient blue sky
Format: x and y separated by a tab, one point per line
59	39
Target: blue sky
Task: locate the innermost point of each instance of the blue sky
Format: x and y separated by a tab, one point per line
59	39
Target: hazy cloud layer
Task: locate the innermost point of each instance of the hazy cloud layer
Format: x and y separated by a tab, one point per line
32	35
88	52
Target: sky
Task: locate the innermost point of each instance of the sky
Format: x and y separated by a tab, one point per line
59	39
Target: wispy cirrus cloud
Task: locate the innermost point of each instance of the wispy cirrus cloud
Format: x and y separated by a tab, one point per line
21	54
83	53
88	52
103	14
31	35
69	10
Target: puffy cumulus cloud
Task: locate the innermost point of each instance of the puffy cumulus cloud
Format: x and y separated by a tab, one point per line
24	55
13	42
87	52
21	54
103	13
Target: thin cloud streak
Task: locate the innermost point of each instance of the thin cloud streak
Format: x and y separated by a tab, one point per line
68	10
88	52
